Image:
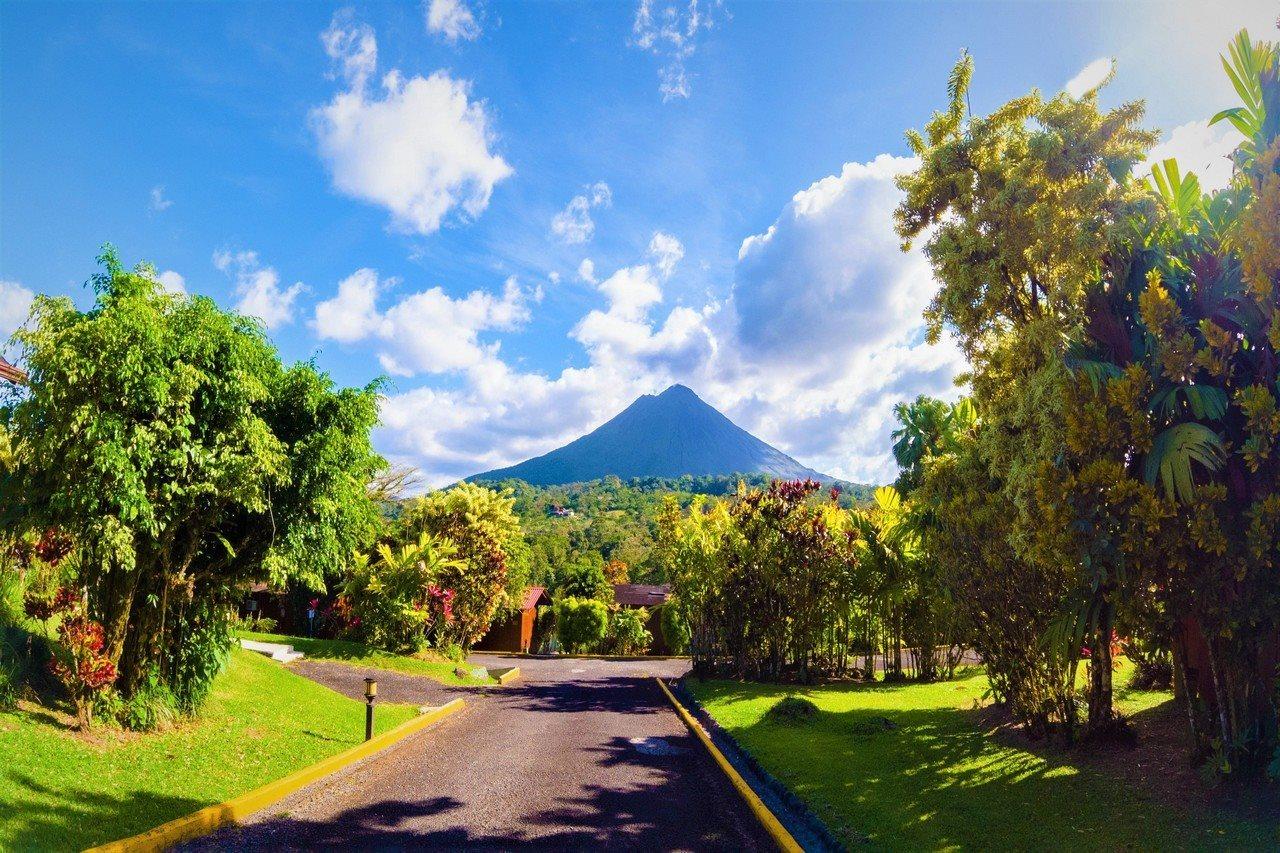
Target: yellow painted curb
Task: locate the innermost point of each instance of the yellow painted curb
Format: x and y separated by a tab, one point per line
767	819
212	817
508	675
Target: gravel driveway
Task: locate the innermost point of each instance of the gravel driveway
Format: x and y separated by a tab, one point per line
578	754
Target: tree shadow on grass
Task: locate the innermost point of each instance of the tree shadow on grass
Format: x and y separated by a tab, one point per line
936	778
73	818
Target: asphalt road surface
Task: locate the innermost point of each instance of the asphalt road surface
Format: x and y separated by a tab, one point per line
578	754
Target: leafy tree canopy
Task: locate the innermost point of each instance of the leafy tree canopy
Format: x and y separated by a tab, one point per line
165	436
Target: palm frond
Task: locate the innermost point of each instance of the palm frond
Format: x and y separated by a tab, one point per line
1206	402
1173	452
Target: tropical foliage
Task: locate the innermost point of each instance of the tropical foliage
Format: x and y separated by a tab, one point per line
581	623
1122	472
163	437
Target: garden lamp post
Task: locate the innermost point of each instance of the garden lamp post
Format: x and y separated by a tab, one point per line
370	693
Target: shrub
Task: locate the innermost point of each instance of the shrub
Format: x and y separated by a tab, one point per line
203	631
581	623
675	628
152	706
627	632
397	601
79	662
10	679
792	710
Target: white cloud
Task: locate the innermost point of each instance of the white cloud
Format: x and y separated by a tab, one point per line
669	30
257	288
452	19
587	271
667	251
352	46
173	282
419	147
15	305
553	277
1198	147
158	201
574	224
821	335
424	332
1090	77
351	315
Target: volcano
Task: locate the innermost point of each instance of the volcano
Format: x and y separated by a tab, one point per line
659	435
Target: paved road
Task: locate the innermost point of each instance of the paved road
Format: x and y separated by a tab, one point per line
578	754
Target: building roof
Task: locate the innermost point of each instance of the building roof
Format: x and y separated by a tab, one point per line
640	594
532	596
11	373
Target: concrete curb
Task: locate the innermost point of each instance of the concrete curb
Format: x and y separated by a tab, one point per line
506	676
212	817
812	832
767	819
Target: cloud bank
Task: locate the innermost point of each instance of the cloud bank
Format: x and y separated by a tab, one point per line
820	335
419	147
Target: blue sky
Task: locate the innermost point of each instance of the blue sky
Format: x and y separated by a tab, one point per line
526	214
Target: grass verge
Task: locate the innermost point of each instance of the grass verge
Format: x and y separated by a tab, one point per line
61	790
432	666
916	767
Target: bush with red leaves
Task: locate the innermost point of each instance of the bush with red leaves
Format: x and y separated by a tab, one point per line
79	662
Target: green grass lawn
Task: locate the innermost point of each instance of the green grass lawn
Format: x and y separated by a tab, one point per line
939	781
62	791
358	653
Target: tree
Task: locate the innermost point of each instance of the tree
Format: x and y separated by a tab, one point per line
486	532
1025	212
586	579
581	623
165	437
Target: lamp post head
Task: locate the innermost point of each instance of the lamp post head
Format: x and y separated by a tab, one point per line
370	688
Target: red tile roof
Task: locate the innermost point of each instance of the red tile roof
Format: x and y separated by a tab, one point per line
640	594
532	596
13	374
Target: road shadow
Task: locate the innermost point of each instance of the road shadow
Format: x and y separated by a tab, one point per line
657	813
615	694
667	796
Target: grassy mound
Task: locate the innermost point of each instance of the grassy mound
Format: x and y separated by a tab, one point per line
792	710
430	664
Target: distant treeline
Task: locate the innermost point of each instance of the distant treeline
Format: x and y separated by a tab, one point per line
612	520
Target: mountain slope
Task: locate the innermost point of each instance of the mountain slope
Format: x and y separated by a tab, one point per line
665	435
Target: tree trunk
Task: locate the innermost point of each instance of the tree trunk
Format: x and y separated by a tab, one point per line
1101	712
115	594
146	623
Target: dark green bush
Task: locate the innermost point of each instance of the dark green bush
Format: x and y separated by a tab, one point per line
199	651
675	630
792	709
